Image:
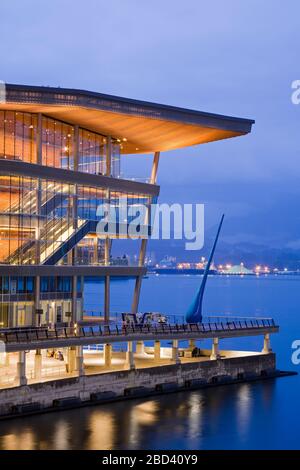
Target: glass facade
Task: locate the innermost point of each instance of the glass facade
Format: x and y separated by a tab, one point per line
57	144
42	221
47	222
18	141
17	300
92	153
18	133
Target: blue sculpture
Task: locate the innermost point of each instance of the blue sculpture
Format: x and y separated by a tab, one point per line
194	313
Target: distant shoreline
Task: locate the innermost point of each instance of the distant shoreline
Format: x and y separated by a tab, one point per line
200	272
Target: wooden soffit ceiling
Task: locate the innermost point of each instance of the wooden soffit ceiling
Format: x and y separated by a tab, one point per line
141	127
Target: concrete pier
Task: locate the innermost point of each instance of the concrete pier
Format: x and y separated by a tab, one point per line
140	347
21	378
38	364
71	359
175	353
79	361
254	366
129	362
215	354
157	351
267	344
107	351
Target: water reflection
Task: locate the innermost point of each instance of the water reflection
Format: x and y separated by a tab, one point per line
200	419
244	409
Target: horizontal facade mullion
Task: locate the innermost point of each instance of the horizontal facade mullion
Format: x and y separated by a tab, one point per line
91	271
13	167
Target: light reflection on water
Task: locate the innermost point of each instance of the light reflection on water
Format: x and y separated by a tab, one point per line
180	420
247	416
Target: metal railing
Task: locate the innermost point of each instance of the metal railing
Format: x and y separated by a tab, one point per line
221	324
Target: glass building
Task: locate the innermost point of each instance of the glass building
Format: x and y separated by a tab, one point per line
60	153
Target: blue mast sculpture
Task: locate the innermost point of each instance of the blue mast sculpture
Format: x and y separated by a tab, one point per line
194	313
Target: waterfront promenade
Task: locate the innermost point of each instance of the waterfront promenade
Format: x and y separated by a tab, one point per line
99	348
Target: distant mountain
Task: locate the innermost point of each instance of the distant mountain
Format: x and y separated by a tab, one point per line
262	225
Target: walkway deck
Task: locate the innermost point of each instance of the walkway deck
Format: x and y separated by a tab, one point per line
43	338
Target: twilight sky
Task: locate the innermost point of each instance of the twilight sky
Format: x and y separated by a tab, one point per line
237	57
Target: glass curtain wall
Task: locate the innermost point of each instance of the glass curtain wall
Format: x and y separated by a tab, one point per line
18	141
17	300
57	144
18	136
39	225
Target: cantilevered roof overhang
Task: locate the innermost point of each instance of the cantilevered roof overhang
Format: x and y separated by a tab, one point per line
142	127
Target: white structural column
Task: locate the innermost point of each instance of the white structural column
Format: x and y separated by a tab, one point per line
107	351
215	353
74	299
37	301
156	350
107	241
138	281
79	361
7	359
21	378
107	299
108	156
95	241
175	353
267	344
129	362
71	358
140	347
153	177
38	364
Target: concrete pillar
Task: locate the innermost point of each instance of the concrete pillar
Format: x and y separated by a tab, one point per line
21	378
155	163
7	359
107	355
108	156
267	344
138	281
129	363
71	357
156	351
175	356
192	345
74	299
140	347
106	299
79	361
95	241
37	302
136	295
38	364
215	354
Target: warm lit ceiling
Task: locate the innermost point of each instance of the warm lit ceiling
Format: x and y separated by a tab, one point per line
142	127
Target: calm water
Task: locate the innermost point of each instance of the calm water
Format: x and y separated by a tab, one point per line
258	416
